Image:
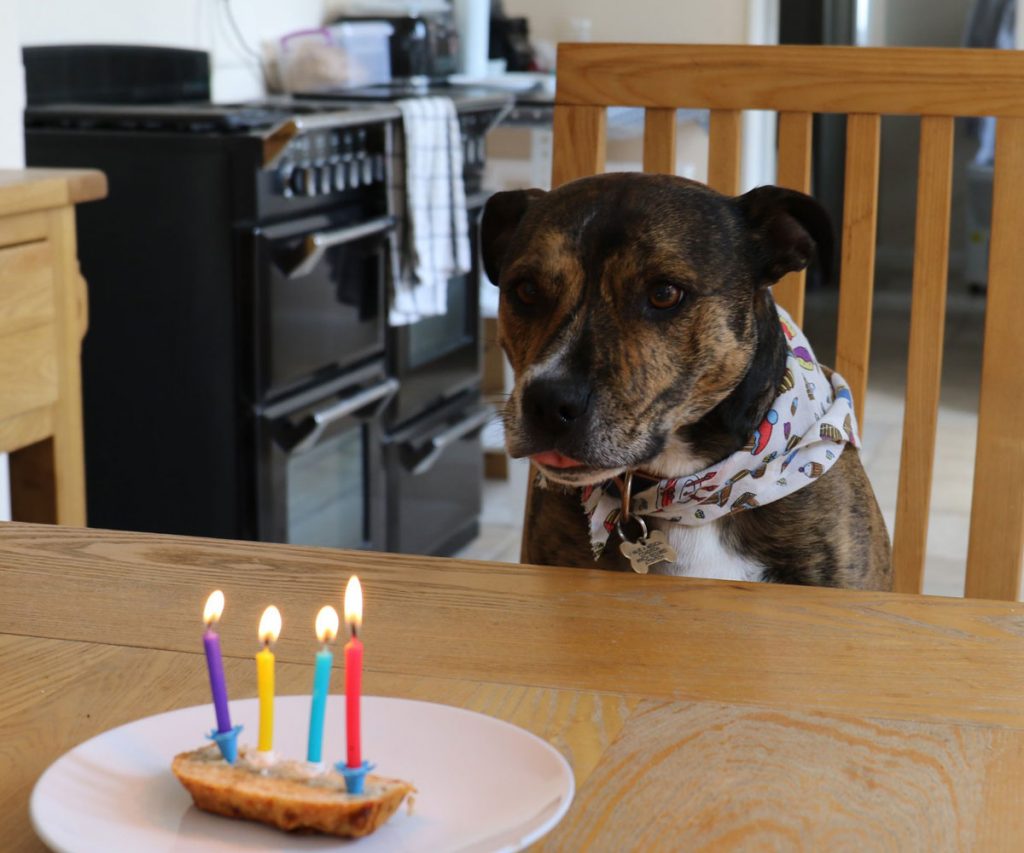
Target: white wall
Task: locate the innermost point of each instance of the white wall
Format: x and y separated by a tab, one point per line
200	24
718	21
12	88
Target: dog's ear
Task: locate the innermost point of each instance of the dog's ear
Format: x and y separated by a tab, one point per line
502	215
789	230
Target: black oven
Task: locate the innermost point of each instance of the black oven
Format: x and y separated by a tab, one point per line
320	479
234	372
435	468
320	291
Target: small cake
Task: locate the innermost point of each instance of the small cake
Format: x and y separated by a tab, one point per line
291	795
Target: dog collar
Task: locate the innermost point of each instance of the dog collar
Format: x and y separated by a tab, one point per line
800	438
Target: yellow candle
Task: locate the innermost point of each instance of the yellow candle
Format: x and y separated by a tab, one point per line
270	630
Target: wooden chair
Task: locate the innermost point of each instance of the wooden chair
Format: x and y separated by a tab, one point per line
864	83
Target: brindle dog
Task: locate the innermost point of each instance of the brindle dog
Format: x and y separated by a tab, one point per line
637	315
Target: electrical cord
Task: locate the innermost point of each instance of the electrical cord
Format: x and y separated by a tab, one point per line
237	32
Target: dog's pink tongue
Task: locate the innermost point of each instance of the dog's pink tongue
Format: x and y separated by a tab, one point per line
554	459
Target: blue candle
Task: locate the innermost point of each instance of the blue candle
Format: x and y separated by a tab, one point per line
326	631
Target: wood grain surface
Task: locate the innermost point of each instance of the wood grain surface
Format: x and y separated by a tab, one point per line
857	276
797	78
924	362
660	141
725	136
995	549
722	714
557	628
794	172
704	776
583	135
39	189
43	316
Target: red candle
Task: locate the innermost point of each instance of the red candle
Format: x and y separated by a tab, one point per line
353	671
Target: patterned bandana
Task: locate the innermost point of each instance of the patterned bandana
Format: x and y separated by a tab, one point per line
799	439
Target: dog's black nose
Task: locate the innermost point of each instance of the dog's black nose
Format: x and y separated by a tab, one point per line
554	405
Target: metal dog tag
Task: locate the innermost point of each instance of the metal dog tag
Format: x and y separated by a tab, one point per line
648	551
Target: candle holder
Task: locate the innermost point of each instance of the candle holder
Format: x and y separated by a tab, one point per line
355	777
228	743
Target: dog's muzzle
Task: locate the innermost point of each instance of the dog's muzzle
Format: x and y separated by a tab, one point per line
555	410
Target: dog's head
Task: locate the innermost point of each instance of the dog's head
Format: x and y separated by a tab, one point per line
629	311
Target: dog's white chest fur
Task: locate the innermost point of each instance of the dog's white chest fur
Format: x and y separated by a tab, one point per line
701	553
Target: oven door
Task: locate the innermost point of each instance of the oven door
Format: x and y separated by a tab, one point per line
321	286
440	357
435	479
320	478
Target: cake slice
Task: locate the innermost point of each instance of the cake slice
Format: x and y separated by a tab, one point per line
290	795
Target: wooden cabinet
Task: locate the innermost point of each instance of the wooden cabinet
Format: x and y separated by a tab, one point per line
43	316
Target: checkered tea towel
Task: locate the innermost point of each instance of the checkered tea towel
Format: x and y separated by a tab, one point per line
428	200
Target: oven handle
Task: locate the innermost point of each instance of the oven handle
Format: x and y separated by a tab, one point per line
318	243
419	461
321	419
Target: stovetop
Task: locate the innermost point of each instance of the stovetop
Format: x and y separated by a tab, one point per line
466	98
198	117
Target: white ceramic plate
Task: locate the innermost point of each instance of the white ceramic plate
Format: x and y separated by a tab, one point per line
483	784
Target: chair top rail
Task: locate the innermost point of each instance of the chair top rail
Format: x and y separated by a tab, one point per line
821	79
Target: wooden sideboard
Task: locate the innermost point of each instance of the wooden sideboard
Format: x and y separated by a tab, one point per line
43	317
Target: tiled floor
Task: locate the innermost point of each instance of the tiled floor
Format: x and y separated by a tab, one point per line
882	433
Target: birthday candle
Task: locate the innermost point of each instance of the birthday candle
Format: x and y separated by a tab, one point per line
269	631
211	643
353	672
326	631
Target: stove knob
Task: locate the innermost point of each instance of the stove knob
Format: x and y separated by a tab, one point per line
354	174
303	181
284	180
340	177
367	166
326	173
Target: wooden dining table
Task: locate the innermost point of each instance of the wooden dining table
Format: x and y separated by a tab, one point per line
695	714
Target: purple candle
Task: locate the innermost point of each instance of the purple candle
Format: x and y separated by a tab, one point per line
211	642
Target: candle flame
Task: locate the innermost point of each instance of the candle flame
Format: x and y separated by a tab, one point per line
270	625
327	624
214	607
354	603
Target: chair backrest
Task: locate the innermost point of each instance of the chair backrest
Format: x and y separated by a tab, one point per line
864	83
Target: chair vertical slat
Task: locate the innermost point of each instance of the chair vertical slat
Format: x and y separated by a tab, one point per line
856	281
924	362
794	172
996	545
579	142
724	151
660	141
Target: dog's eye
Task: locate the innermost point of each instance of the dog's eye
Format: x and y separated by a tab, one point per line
664	296
526	292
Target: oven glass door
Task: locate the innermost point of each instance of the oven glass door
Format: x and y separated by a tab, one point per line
435	337
320	305
321	477
435	470
327	488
